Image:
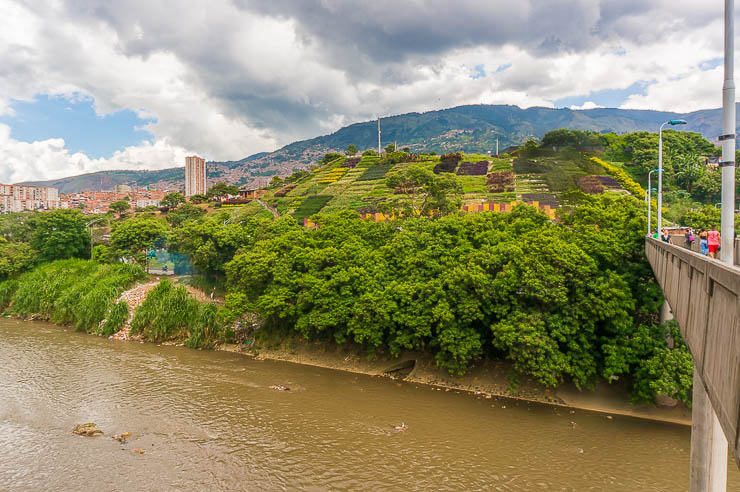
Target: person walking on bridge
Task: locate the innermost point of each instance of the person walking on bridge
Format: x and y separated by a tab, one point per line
703	246
713	240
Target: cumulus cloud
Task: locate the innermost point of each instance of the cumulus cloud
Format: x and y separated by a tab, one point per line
50	159
228	78
586	105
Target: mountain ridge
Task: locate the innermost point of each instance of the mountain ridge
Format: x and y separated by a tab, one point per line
467	128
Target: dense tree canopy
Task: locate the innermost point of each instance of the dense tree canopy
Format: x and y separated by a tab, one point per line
570	301
135	236
221	190
15	258
60	234
172	200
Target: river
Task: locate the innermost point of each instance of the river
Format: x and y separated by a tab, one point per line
209	421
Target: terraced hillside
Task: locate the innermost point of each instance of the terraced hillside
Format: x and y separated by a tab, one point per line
361	183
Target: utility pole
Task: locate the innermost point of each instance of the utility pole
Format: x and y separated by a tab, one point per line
378	136
496	146
708	441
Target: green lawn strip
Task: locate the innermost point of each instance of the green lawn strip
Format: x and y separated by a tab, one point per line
476	157
310	206
473	184
375	172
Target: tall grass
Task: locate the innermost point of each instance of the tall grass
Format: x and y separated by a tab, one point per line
7	289
166	313
117	317
170	312
73	292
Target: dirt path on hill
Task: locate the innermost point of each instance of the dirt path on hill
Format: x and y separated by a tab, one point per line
275	213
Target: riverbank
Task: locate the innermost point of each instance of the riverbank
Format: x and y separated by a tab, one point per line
486	379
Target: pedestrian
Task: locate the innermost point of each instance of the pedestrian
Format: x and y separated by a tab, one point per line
665	237
655	233
689	238
713	239
703	245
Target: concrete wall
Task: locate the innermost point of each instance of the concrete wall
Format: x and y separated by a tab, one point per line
703	294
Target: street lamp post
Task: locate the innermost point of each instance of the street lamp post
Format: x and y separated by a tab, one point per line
648	196
660	168
649	199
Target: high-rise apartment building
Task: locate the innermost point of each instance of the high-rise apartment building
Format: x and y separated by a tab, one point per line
17	198
195	176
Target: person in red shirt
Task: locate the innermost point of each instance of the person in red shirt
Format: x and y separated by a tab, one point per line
713	241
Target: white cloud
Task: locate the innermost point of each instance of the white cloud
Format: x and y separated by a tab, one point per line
586	105
50	159
227	80
691	92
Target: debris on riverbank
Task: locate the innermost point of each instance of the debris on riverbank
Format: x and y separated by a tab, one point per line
122	438
133	297
87	430
279	387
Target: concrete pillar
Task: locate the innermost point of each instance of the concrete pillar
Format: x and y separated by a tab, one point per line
666	313
708	445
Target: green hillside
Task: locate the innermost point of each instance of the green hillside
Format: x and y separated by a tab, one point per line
366	187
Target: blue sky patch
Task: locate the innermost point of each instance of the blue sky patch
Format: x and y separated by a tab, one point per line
76	122
710	64
609	98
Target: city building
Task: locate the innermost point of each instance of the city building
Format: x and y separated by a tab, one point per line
17	198
195	176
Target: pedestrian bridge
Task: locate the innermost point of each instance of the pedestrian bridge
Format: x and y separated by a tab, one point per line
703	295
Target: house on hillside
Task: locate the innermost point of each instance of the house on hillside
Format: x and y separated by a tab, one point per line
251	193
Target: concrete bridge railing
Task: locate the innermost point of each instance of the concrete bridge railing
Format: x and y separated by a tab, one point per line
703	294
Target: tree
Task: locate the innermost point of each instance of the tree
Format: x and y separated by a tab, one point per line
198	198
429	193
15	258
329	157
184	213
221	191
351	150
60	234
390	148
276	181
688	169
210	243
120	207
134	237
172	200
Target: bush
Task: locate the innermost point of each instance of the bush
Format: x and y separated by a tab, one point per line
590	185
500	181
285	190
479	168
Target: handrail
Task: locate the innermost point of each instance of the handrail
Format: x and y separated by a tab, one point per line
704	296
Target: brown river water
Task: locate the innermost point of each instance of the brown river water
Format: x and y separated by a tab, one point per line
208	421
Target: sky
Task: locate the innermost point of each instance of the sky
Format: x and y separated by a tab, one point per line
90	85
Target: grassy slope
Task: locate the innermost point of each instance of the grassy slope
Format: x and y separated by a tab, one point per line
332	188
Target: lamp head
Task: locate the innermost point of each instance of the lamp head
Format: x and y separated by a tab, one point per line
677	122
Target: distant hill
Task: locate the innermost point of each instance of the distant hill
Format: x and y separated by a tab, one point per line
472	129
